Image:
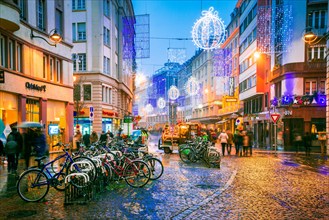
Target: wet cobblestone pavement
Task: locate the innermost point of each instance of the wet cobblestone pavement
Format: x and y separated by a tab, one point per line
264	186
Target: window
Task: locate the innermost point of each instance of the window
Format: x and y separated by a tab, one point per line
23	7
107	8
58	71
41	9
87	92
315	53
106	65
106	35
278	89
79	31
80	62
59	21
45	62
78	4
107	94
2	51
18	57
11	54
51	69
77	92
317	19
32	110
310	86
322	86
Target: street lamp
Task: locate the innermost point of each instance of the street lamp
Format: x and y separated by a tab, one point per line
312	38
53	36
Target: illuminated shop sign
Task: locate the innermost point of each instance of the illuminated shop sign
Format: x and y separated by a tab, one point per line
2	76
35	87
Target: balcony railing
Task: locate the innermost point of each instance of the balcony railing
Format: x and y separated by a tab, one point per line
316	66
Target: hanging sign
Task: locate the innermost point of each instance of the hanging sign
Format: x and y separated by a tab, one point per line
2	76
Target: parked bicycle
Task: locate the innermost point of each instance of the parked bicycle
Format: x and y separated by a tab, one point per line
34	183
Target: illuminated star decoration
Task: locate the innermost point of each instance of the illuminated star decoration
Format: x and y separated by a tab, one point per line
173	93
192	86
209	31
149	108
161	103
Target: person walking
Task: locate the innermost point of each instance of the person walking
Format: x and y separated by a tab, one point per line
245	143
229	141
10	150
86	139
27	146
223	138
307	139
93	137
39	142
251	139
2	151
19	140
238	142
78	137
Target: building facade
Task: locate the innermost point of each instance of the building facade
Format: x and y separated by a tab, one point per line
37	76
103	63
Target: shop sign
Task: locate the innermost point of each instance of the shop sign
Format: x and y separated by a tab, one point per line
231	86
288	112
2	76
35	87
231	100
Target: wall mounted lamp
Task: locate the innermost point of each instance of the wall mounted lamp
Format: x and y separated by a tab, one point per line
54	37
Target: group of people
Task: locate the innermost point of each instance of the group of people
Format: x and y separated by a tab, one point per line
17	145
242	141
89	139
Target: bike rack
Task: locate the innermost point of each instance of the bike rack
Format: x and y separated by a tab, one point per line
74	195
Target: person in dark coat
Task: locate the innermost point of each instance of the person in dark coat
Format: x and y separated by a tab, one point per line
2	150
307	139
27	146
103	137
86	139
10	150
19	140
40	143
238	142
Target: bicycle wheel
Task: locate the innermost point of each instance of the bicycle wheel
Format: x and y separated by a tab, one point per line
60	181
156	167
32	185
137	174
107	174
186	154
77	180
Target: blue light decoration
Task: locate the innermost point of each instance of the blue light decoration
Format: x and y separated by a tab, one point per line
287	100
173	93
321	100
222	62
192	86
274	32
275	102
176	55
128	37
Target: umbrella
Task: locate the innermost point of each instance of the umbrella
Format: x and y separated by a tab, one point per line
30	124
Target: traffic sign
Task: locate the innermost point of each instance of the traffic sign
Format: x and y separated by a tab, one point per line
275	117
91	109
91	116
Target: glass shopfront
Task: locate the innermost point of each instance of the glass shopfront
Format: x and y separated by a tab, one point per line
56	123
8	111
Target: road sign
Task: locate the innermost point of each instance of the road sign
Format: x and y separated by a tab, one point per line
275	117
91	116
91	109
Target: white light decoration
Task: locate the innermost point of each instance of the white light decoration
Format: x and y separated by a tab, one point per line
149	108
192	86
173	93
161	103
209	31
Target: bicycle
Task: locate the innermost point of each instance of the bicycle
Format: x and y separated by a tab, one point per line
136	173
33	184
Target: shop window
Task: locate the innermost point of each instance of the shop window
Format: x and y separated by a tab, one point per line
32	110
87	92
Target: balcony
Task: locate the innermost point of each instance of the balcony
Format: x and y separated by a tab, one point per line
9	15
318	66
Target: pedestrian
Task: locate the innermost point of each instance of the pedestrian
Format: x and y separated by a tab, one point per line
307	139
2	151
27	146
10	150
229	141
19	140
93	138
39	142
223	138
78	137
238	142
298	140
251	139
245	143
103	137
86	139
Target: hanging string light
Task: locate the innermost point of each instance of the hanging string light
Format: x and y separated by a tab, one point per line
173	93
209	31
192	86
161	103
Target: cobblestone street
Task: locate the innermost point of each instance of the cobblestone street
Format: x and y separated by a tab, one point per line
264	186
